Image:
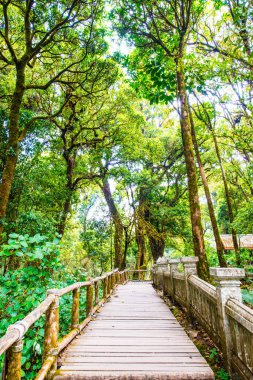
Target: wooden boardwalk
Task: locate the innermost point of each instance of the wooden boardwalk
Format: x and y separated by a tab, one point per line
135	336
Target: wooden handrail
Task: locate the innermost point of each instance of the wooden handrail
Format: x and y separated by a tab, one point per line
139	273
17	331
11	342
138	270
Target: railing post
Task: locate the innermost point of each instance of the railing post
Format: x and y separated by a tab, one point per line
162	266
173	265
228	286
109	284
13	361
113	280
89	300
105	286
96	285
154	275
51	331
190	267
75	308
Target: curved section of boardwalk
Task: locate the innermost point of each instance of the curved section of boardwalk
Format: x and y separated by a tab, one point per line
135	336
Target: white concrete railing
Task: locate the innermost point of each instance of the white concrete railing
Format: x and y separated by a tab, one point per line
219	309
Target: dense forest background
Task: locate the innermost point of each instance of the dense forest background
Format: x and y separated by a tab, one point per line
125	134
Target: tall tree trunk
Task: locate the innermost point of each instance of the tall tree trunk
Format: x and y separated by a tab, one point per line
12	146
126	245
65	213
70	164
157	247
214	223
197	230
156	236
140	240
139	229
118	226
228	199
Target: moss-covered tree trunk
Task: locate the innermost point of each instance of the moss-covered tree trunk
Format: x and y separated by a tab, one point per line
140	240
219	246
140	229
155	233
12	147
118	225
127	240
157	246
70	188
65	213
195	213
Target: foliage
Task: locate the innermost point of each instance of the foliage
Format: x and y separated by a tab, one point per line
24	288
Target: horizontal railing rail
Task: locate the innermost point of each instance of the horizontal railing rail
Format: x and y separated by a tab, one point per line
11	342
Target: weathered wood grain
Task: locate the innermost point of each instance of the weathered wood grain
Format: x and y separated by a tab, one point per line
134	336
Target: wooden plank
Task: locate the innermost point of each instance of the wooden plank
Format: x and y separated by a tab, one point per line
78	353
138	349
134	333
173	374
137	359
131	366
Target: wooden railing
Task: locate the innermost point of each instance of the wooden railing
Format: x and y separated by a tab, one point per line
139	274
11	342
218	309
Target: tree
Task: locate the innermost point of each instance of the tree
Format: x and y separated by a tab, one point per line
213	219
164	29
39	43
205	117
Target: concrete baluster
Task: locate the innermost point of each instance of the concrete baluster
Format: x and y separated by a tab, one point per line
190	268
162	266
173	267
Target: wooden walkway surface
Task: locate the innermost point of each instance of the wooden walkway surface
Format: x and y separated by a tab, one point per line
135	336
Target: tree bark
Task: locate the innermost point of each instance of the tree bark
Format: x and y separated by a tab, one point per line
140	240
139	229
156	235
157	247
65	213
195	213
214	223
118	226
12	146
70	164
127	239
